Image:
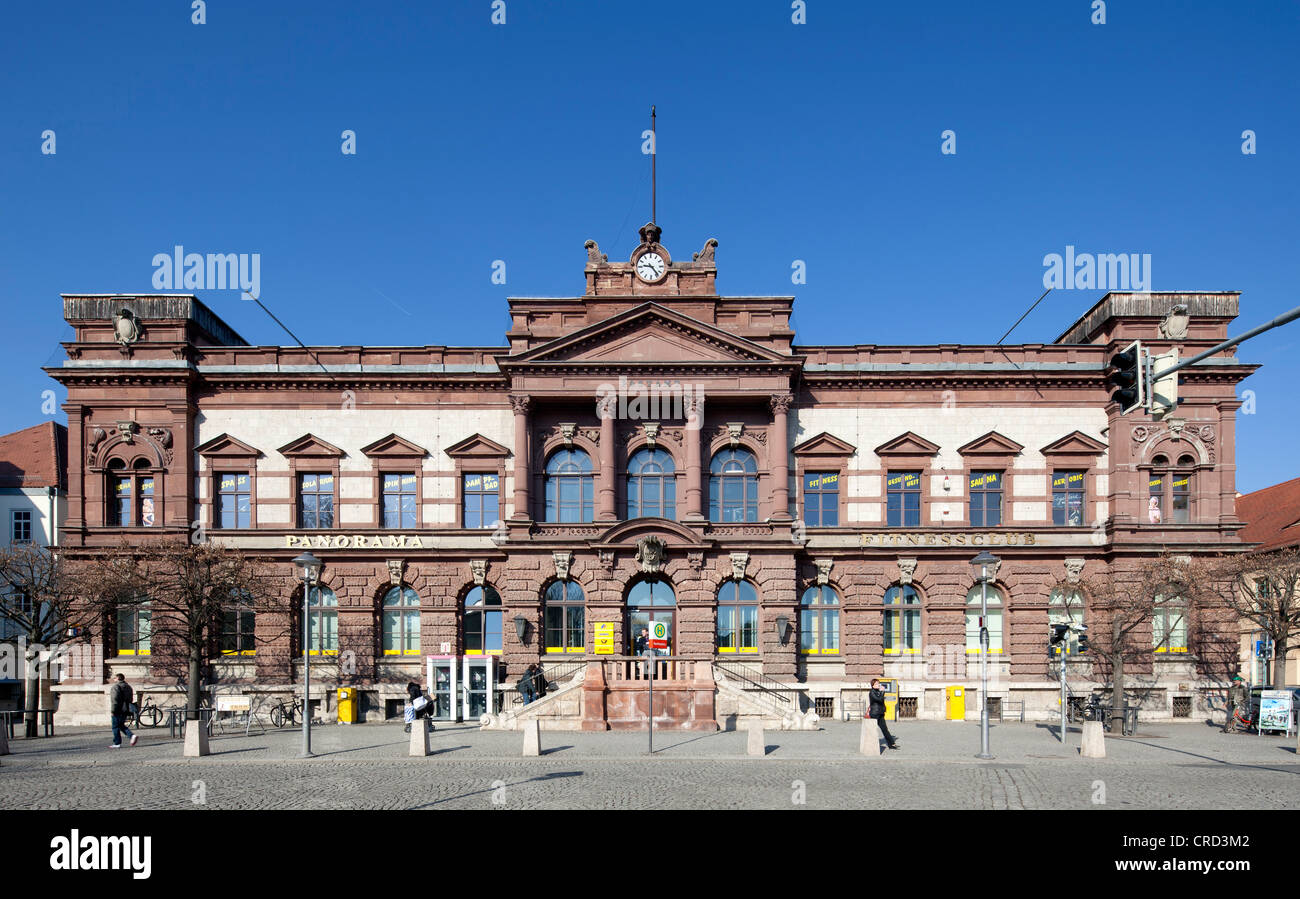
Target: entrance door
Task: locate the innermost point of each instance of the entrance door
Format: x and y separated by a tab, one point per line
649	601
479	686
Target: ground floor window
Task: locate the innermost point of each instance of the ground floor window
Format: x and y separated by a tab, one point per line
482	622
902	623
994	623
737	617
819	621
565	617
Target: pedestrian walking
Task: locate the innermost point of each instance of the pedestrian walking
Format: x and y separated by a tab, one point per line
539	680
1238	697
120	699
877	711
526	685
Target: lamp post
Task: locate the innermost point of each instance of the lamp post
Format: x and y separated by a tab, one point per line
981	564
309	565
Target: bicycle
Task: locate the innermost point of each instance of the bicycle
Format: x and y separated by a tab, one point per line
282	712
147	713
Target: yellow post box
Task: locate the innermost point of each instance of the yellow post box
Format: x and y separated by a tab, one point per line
889	686
956	703
347	702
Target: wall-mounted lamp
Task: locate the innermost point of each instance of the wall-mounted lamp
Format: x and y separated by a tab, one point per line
783	629
521	628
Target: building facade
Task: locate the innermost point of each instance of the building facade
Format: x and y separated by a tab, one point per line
800	518
1273	525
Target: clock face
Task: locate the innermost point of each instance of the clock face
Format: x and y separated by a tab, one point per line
650	267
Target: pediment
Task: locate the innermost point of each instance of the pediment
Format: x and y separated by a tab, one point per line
477	446
991	444
226	446
393	445
626	533
648	334
312	446
824	445
908	443
1075	444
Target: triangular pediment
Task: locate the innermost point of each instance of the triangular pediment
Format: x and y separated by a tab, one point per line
393	445
824	445
991	444
310	445
1075	444
648	334
478	447
908	443
228	447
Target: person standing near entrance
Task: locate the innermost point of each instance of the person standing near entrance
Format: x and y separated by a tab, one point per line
1238	698
877	711
119	701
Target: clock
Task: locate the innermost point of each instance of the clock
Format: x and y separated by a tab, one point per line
650	267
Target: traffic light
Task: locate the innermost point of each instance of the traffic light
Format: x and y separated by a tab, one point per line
1082	638
1056	642
1126	376
1164	388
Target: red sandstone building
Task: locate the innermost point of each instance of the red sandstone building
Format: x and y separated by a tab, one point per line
802	518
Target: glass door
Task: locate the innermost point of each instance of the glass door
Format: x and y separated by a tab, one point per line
647	602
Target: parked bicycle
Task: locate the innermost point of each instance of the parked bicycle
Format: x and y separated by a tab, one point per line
147	713
286	712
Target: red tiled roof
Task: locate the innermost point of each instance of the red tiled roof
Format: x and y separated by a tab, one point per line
35	457
1272	515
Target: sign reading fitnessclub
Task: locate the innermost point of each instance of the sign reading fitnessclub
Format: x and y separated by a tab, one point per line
353	541
992	538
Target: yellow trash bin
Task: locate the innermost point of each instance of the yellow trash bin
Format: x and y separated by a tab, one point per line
956	703
347	701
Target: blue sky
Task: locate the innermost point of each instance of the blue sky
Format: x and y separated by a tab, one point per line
821	142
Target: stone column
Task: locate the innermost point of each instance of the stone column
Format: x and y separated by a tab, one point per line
694	426
605	482
76	462
778	445
520	405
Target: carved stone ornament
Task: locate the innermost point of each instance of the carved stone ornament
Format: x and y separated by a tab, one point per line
567	430
395	569
97	436
563	559
780	402
478	568
594	255
739	562
823	571
651	433
126	327
607	407
1176	426
906	568
1174	326
606	557
734	430
128	430
706	254
695	559
163	436
650	553
1073	570
520	403
1140	433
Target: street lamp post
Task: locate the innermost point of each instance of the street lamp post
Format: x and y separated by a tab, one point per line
981	564
309	565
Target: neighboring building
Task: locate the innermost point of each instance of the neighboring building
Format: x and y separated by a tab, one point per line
1272	517
33	502
799	518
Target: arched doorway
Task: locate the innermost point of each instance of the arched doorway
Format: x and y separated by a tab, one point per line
649	601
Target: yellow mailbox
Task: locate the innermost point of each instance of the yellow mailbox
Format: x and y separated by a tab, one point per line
956	703
889	686
347	702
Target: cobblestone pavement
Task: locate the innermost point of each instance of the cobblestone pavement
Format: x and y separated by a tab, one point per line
1184	766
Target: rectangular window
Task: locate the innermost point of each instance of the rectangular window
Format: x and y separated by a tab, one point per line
133	630
903	499
237	632
1181	494
985	499
902	631
234	500
1067	498
1169	629
399	499
21	527
1156	500
122	499
481	502
146	503
316	500
821	499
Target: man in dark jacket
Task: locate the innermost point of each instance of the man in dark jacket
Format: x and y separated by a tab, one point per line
877	711
119	701
526	685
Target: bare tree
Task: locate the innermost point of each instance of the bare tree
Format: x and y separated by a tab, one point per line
39	604
1262	588
186	590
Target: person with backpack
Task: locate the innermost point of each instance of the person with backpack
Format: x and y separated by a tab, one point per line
877	711
120	698
526	685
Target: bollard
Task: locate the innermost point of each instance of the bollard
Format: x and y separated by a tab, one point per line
532	738
196	739
419	737
1094	741
869	739
756	746
4	739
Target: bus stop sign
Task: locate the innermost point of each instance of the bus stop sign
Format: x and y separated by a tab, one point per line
659	635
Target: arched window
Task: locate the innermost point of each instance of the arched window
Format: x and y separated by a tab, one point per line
902	623
401	622
569	487
131	494
1065	606
733	486
737	617
565	617
323	621
819	621
238	621
647	602
1169	628
1170	490
483	622
651	486
134	627
973	621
